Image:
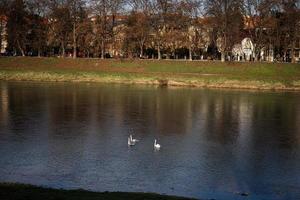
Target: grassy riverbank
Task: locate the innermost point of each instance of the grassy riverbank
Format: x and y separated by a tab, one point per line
23	192
175	73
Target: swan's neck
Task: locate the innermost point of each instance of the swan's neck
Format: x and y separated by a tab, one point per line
154	142
131	137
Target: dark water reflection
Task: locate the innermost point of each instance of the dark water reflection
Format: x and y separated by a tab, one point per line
215	144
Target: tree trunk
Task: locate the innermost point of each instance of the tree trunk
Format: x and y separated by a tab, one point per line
271	53
20	48
22	52
293	52
102	49
190	53
141	50
63	51
39	52
74	41
0	39
158	52
255	57
223	56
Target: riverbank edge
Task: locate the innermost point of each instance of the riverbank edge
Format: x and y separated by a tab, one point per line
135	78
11	191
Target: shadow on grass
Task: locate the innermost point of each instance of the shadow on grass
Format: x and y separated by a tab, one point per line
14	191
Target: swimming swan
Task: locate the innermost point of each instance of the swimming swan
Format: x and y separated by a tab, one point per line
156	146
133	140
129	142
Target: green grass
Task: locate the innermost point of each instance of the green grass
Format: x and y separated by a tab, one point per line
195	73
10	191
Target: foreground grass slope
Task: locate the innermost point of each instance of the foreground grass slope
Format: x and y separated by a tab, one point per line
185	73
23	192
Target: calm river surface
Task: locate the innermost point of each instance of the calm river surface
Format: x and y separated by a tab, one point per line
215	143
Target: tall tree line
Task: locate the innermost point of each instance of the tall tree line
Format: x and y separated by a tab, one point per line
149	28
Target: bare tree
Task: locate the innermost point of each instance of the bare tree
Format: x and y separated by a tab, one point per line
37	24
3	20
190	23
290	26
105	13
160	22
260	24
85	36
227	21
172	28
138	24
60	24
17	26
78	15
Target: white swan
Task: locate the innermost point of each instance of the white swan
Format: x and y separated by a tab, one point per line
156	146
129	142
133	140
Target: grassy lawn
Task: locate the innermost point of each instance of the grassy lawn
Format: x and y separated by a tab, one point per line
25	192
186	73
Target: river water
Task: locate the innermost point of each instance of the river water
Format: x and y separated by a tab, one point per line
216	144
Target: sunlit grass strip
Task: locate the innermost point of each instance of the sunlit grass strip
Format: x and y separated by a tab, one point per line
154	79
165	72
